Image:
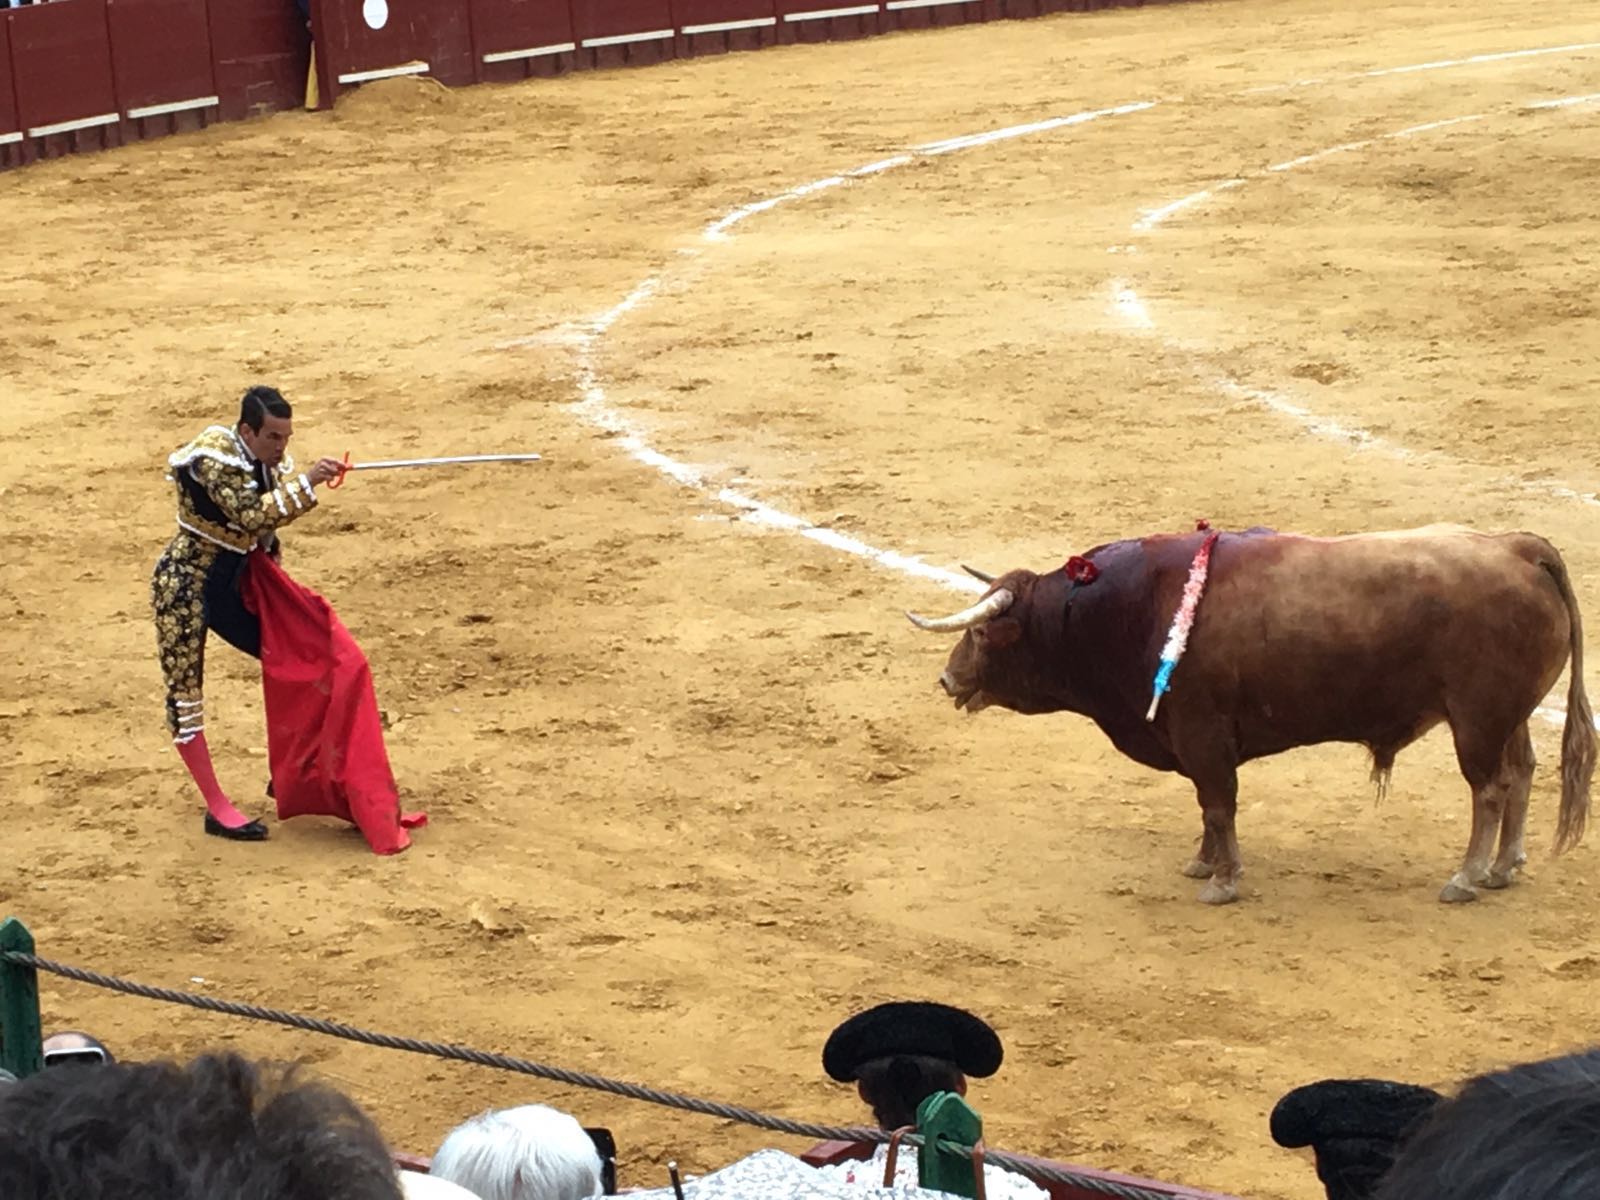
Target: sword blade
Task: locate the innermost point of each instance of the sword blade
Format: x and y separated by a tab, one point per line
443	462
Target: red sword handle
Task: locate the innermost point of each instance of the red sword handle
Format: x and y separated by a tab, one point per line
344	470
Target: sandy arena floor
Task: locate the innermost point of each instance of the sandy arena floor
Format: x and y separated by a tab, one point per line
694	796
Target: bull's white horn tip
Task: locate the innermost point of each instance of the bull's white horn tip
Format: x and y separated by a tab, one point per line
991	605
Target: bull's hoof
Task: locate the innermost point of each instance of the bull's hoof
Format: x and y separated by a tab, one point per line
1216	892
1504	874
1196	869
1457	893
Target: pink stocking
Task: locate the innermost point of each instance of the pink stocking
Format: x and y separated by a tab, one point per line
197	757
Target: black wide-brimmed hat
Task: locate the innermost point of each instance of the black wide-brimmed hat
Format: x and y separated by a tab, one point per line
912	1027
1349	1108
1356	1127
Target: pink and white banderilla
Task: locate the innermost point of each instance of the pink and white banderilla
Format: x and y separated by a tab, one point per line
1183	622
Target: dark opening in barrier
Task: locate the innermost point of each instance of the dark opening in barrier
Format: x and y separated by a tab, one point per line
259	53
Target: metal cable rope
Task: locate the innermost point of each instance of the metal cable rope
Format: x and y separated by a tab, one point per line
505	1062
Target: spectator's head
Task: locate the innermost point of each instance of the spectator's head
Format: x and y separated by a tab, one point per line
70	1046
899	1054
527	1153
265	425
1353	1126
219	1126
1531	1132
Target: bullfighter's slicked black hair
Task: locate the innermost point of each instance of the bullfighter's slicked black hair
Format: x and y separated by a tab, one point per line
262	402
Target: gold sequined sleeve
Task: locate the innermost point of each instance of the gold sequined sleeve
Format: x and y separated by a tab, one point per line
255	512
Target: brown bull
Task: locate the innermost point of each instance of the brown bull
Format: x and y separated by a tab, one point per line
1372	639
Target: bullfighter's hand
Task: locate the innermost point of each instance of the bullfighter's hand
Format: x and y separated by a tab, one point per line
325	470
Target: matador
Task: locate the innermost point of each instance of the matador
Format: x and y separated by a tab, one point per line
235	488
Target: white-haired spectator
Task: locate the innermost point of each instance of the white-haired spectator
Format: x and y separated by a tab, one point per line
70	1046
531	1152
417	1186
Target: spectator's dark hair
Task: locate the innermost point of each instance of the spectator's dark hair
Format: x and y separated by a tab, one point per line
894	1086
261	402
219	1127
1531	1132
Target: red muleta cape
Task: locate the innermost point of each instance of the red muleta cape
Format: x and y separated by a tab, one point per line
324	734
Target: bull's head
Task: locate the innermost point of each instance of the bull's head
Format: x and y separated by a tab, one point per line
988	659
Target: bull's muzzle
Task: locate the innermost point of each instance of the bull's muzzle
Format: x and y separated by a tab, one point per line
967	699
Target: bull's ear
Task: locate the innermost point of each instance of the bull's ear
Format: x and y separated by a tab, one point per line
999	633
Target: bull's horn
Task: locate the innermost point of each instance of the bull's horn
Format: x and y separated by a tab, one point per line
990	606
981	576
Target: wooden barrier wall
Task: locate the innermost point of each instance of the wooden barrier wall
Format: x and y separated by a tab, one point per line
80	75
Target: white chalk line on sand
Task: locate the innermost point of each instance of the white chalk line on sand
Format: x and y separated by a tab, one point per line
718	230
1414	68
1127	304
595	408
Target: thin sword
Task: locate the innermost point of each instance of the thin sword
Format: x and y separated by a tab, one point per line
442	462
454	460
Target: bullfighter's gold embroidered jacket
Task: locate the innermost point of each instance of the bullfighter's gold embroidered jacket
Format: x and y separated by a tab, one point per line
229	498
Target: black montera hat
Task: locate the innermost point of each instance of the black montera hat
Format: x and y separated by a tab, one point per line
912	1027
1349	1108
1355	1126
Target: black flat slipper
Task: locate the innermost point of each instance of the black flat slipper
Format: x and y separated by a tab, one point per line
250	831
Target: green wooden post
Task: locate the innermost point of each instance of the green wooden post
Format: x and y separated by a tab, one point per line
20	1036
946	1122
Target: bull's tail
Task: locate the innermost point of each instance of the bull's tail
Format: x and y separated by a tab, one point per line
1382	770
1578	735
